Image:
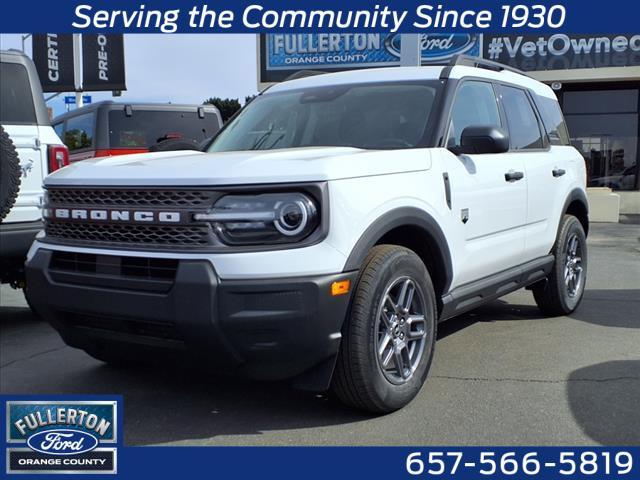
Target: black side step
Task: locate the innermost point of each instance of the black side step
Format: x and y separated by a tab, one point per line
469	296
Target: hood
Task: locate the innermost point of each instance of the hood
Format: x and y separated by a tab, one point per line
310	164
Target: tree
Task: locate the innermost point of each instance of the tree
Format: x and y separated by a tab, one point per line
248	98
226	106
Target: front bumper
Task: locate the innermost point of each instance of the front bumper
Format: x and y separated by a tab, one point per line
16	238
267	329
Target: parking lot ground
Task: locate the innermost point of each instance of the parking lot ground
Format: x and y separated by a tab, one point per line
502	375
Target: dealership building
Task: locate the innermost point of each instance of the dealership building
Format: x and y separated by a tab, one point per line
596	79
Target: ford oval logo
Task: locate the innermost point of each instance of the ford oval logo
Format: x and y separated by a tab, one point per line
62	442
435	46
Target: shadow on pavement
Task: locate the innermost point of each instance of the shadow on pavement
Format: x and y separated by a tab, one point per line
164	403
496	311
608	308
16	316
604	401
172	404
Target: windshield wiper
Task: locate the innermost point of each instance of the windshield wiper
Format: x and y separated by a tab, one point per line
258	143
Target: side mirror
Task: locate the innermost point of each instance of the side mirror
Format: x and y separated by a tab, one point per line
482	139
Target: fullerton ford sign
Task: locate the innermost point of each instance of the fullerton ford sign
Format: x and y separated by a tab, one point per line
283	54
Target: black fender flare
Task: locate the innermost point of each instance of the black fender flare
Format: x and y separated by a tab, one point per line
577	194
400	217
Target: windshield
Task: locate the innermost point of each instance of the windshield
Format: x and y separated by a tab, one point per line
367	116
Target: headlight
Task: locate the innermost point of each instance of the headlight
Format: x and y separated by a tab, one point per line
270	218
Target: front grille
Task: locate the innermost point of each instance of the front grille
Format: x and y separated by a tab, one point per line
126	267
117	232
131	197
143	235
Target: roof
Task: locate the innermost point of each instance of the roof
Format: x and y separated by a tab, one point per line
369	75
135	105
14	52
395	74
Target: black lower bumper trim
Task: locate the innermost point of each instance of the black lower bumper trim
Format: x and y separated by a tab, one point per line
272	329
16	238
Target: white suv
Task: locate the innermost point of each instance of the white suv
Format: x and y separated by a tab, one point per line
29	150
328	229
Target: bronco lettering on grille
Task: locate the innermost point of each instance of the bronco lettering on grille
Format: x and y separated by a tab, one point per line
104	215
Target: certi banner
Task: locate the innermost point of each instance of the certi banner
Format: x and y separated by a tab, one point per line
283	54
53	57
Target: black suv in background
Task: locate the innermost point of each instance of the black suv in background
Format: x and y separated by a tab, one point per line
108	128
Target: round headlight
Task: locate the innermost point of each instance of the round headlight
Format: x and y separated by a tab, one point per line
268	218
292	218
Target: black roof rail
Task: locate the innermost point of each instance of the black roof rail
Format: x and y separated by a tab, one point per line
303	74
469	61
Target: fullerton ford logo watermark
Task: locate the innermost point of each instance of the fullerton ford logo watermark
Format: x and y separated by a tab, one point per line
61	436
62	442
110	215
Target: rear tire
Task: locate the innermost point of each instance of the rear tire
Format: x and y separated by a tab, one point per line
389	337
562	292
10	174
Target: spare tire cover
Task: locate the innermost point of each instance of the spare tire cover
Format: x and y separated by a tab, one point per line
10	174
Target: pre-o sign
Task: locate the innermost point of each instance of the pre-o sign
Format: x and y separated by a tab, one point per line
102	62
53	56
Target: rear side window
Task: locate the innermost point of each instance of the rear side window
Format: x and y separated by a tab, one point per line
553	120
79	132
145	128
16	100
475	105
524	130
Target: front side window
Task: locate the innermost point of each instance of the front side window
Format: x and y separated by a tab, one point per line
79	132
524	130
475	105
366	116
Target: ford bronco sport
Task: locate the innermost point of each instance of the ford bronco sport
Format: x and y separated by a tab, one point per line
328	229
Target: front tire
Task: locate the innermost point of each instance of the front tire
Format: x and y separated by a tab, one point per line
389	338
562	292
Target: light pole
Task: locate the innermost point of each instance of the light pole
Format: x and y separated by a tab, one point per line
410	51
24	38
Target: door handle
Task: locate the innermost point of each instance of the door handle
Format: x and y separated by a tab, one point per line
512	176
558	172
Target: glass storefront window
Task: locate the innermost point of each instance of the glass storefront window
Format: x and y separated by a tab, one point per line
603	125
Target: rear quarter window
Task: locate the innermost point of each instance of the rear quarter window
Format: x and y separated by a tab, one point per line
524	129
553	120
16	99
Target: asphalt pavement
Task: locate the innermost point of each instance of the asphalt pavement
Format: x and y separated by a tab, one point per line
502	375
